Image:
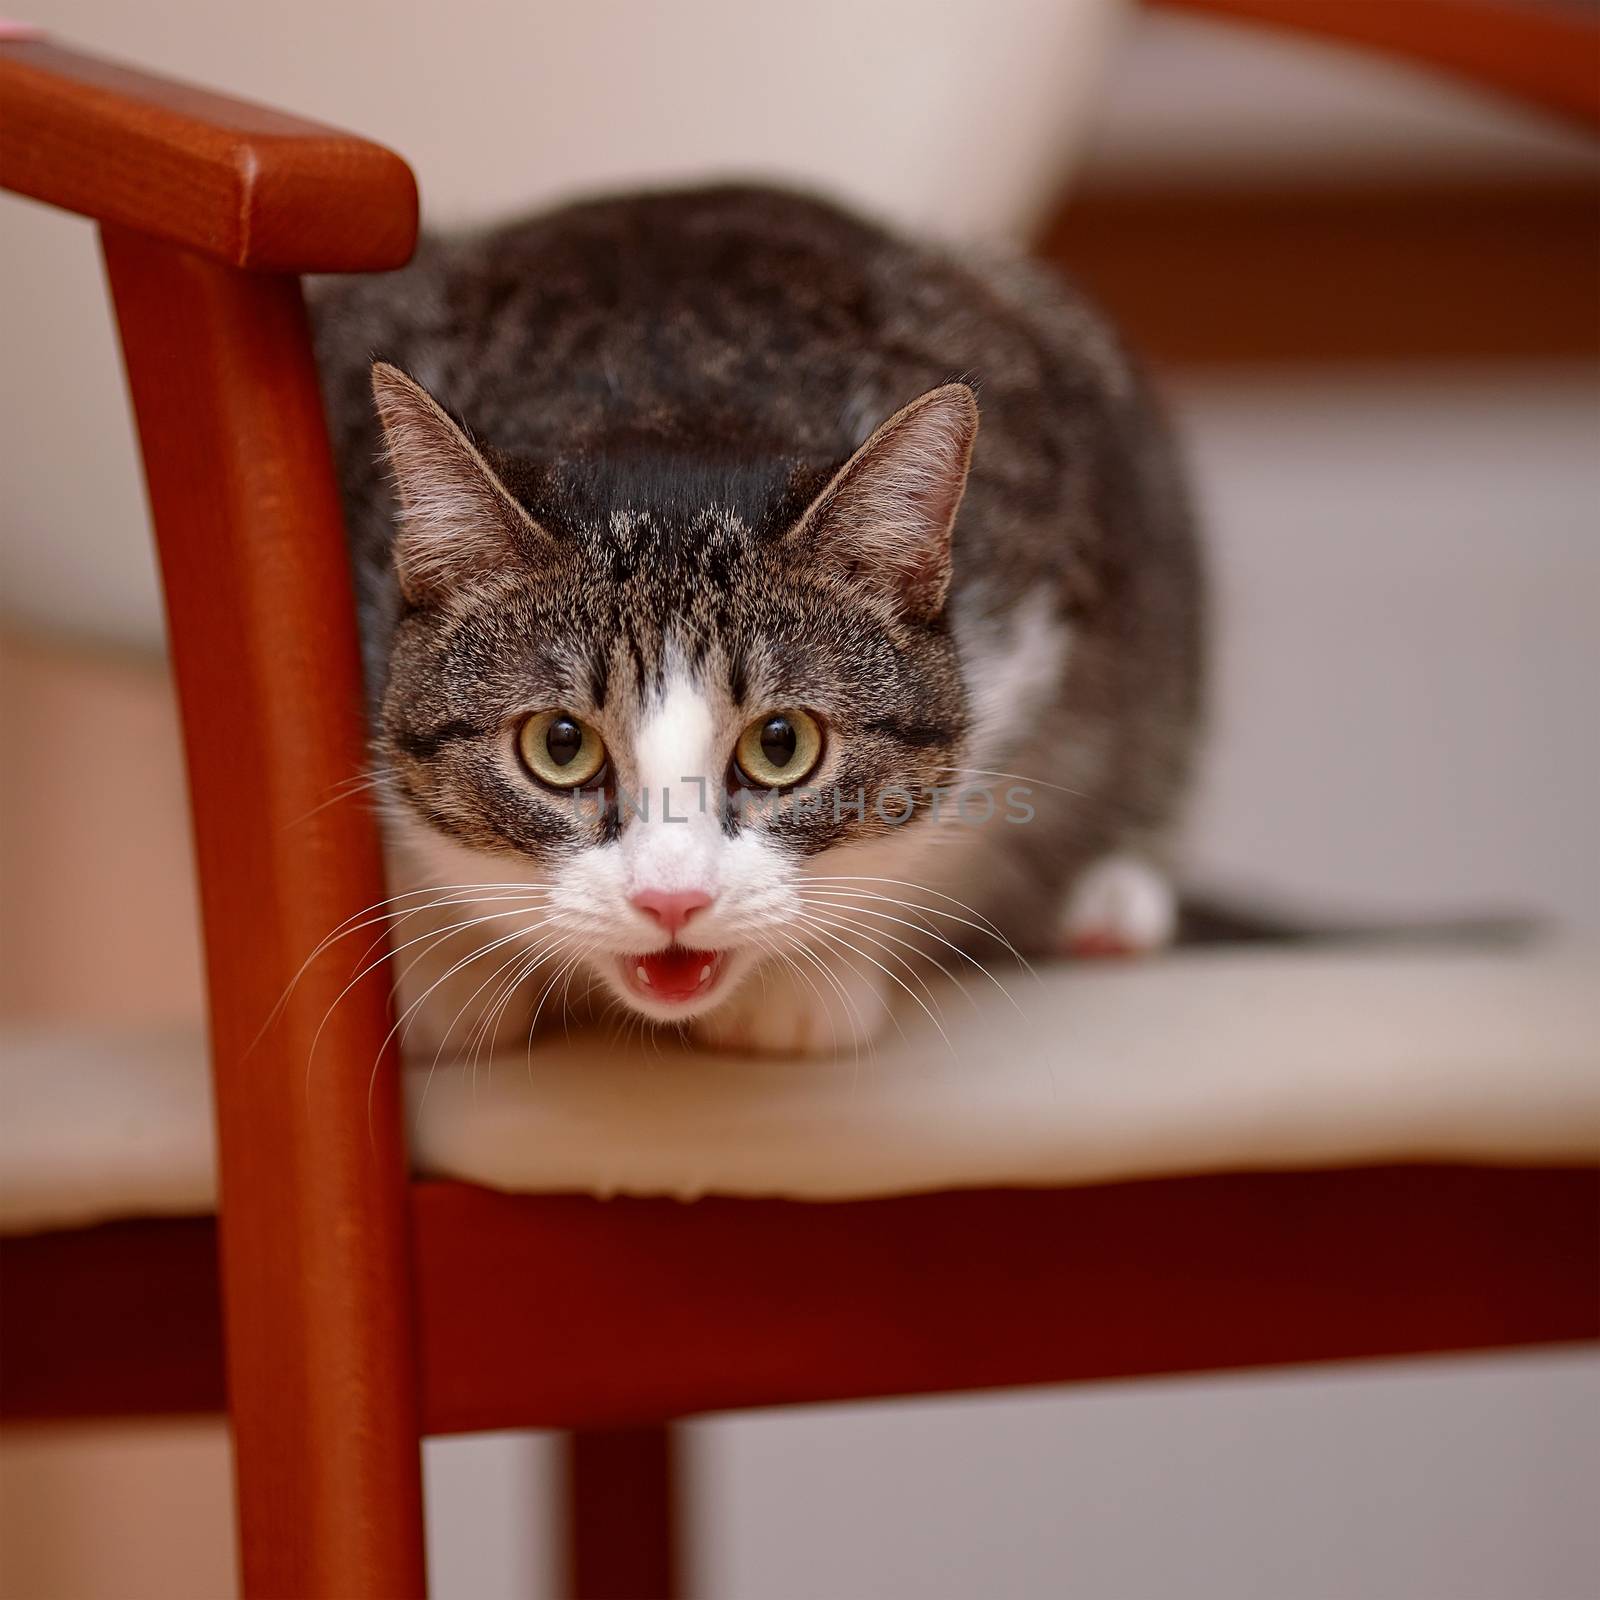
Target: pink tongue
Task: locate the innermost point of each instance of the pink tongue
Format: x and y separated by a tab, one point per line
675	972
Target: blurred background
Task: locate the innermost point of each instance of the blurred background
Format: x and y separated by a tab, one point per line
1371	299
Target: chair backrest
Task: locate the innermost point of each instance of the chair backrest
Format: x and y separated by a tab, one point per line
1536	53
208	210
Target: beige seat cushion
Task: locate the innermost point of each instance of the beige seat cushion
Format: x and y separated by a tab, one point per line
1198	1062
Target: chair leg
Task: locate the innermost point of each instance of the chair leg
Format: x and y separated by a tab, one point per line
622	1514
314	1224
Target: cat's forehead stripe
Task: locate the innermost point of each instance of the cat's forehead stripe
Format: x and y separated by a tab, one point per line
675	731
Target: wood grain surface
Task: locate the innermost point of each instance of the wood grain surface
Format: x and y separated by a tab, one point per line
565	1311
316	1267
246	185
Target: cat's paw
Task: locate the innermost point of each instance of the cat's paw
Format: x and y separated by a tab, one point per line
1120	906
805	1010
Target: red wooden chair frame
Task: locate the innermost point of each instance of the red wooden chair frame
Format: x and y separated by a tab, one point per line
356	1310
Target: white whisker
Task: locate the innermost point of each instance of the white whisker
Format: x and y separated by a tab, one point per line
346	790
838	939
826	898
983	924
843	993
886	942
374	914
1016	777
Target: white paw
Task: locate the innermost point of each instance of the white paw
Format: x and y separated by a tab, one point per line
817	1007
1120	906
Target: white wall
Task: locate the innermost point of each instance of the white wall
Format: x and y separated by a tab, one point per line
1463	1480
1407	586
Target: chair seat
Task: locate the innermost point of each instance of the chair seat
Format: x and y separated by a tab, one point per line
1203	1061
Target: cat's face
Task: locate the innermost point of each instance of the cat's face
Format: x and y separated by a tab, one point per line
655	734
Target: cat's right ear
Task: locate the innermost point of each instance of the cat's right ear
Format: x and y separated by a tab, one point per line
457	520
885	520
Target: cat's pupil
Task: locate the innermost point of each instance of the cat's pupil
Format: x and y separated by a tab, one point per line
778	742
563	739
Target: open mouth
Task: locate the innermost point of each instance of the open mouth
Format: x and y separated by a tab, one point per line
673	976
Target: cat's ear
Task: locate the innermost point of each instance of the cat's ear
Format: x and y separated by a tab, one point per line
885	519
457	520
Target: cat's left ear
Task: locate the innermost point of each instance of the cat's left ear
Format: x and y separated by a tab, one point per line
885	519
457	520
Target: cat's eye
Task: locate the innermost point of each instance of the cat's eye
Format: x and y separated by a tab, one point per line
779	750
560	750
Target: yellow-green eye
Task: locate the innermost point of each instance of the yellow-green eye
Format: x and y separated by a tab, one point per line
560	750
779	750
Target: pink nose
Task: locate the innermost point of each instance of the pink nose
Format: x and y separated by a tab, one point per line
671	907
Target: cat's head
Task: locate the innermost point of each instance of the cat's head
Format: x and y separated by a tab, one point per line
661	711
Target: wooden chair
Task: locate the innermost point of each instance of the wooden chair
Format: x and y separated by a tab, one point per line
356	1311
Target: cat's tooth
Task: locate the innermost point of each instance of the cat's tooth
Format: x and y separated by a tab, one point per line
644	977
705	972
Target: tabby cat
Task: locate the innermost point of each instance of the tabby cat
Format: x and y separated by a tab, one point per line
760	610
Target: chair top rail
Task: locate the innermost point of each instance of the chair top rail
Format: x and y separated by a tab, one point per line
246	185
1541	55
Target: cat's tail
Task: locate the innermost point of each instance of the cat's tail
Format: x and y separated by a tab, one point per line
1205	919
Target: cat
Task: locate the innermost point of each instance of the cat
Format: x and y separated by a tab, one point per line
760	609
